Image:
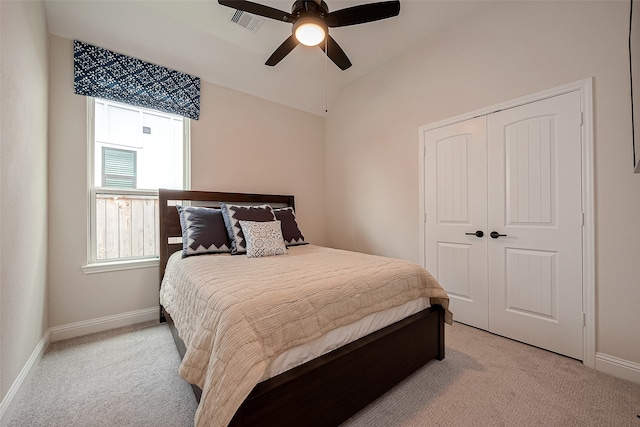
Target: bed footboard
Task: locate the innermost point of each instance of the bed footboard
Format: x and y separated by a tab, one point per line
330	389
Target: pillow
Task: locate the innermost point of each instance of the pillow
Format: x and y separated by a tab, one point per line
263	238
290	231
234	213
203	231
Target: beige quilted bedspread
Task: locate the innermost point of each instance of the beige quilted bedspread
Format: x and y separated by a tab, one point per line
236	314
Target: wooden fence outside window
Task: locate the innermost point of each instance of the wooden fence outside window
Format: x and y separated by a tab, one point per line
126	226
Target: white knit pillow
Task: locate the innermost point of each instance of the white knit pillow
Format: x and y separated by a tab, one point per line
263	238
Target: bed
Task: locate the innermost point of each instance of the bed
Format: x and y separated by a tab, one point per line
325	390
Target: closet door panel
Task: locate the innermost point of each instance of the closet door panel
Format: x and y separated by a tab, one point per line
456	208
534	204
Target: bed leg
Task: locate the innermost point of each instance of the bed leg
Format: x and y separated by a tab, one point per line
162	318
441	334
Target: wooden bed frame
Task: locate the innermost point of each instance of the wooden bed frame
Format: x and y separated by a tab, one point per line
330	389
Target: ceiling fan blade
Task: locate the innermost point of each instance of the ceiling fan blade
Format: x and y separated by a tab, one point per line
336	54
258	9
363	13
282	51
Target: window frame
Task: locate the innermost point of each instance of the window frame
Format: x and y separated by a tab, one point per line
99	266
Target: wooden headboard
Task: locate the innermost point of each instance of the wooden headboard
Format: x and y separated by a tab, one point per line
170	229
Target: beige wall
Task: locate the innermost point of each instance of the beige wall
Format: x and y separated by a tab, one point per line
246	144
241	143
516	49
23	185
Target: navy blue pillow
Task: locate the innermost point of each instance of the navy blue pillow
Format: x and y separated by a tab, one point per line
290	231
203	231
233	214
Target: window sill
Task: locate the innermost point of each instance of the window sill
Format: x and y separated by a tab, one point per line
103	267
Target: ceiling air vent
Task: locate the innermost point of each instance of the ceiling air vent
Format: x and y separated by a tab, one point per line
247	20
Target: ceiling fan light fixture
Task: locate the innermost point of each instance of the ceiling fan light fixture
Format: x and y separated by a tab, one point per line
309	32
311	21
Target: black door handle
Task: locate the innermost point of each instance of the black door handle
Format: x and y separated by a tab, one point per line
478	233
495	235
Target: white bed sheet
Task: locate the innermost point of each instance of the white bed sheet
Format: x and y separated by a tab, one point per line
342	336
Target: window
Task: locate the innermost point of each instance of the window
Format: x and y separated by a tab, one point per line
118	168
133	152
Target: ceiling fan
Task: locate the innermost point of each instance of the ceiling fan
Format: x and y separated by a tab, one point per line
311	21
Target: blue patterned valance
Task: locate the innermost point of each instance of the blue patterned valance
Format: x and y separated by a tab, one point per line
104	74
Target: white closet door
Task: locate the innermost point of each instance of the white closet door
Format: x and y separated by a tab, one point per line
456	207
534	199
515	174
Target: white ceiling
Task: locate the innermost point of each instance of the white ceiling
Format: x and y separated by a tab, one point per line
198	38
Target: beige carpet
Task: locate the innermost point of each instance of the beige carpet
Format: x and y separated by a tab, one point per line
487	380
128	377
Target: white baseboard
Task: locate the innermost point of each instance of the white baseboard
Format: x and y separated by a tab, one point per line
19	386
85	327
618	367
62	332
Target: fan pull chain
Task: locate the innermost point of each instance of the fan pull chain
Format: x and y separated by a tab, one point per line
326	75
